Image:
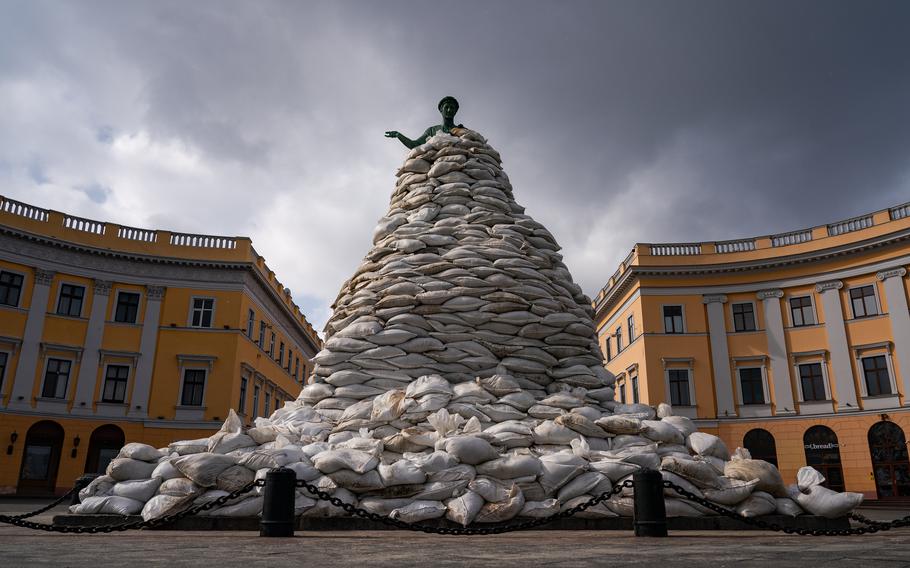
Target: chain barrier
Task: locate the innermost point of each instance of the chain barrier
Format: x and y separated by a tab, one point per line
461	531
46	508
871	526
20	521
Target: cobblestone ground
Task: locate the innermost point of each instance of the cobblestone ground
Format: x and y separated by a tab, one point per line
22	547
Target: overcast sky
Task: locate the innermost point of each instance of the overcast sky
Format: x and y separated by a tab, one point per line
618	122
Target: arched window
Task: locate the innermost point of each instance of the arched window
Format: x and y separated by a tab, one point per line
761	445
823	453
890	464
40	458
103	446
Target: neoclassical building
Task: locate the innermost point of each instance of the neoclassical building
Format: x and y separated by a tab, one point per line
796	346
111	333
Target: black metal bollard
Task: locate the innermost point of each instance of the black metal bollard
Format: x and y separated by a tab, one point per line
81	483
278	503
650	511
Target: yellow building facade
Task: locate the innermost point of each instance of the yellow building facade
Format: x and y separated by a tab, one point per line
111	333
795	346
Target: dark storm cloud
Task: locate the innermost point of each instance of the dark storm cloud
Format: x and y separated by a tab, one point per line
618	122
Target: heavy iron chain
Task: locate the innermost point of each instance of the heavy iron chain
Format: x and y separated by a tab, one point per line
46	508
19	521
871	526
462	531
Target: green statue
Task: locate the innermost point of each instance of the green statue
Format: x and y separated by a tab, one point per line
448	106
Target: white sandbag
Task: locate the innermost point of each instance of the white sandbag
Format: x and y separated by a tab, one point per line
203	469
699	473
161	505
304	471
123	469
432	462
614	469
598	511
768	476
510	467
821	501
503	511
137	489
357	482
787	507
581	424
758	504
428	384
681	423
731	491
664	410
382	506
464	508
681	508
581	485
808	477
324	509
263	434
234	477
619	424
492	490
417	511
389	406
89	505
166	470
179	487
333	460
470	449
141	452
402	472
539	509
558	469
706	444
622	506
682	482
116	505
660	431
186	447
247	508
101	486
549	432
302	503
230	442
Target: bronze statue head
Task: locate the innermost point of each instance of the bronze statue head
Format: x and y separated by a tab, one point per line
448	106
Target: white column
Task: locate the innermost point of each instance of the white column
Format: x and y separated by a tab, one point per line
777	351
899	314
88	369
720	354
148	341
837	343
21	394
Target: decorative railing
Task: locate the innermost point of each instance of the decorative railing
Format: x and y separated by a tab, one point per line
14	207
794	238
900	212
850	225
134	234
203	241
742	245
84	225
676	249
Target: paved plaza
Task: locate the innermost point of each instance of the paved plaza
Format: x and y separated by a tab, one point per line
23	547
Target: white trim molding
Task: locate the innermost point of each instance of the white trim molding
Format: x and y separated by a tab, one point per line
886	274
828	285
711	298
770	293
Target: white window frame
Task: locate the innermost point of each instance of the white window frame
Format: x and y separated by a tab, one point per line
861	352
195	362
5	370
250	322
60	286
812	306
257	390
619	388
21	290
129	381
754	317
117	303
663	319
751	363
189	321
205	385
630	327
875	296
69	381
809	360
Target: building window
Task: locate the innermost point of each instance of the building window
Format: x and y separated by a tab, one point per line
277	402
679	387
622	392
296	369
752	385
290	360
203	310
10	288
4	360
70	302
281	354
630	325
56	378
761	445
634	381
863	301
878	380
801	311
619	340
193	387
272	345
265	407
812	382
250	323
744	317
115	379
241	408
127	307
255	401
261	334
609	348
673	319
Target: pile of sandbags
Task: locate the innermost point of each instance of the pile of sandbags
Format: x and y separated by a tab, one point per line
461	378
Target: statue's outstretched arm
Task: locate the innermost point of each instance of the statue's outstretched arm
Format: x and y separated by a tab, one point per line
407	141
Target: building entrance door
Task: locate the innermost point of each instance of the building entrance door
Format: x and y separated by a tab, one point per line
890	464
103	446
823	453
40	459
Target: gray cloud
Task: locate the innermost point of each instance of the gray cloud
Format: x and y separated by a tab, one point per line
618	121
